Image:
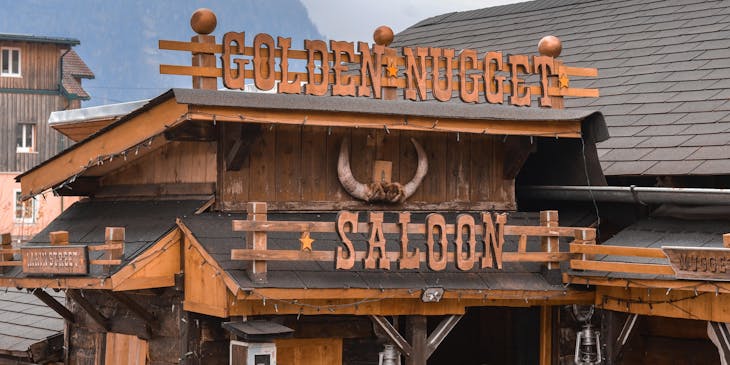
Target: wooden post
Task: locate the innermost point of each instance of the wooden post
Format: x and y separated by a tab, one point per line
257	241
586	236
546	335
59	238
549	218
114	236
383	36
416	334
726	240
6	243
203	22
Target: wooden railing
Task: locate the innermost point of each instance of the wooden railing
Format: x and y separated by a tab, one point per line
492	230
588	252
113	247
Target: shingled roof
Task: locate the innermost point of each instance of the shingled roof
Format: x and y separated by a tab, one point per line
664	71
74	69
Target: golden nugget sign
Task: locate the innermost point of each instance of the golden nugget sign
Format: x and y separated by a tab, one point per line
378	66
363	70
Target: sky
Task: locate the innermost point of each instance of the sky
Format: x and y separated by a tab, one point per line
355	21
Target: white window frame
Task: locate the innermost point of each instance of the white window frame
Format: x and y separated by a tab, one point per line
23	128
10	72
34	208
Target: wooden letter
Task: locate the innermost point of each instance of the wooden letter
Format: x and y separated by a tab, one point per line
493	240
263	80
415	73
314	48
377	240
544	66
465	221
408	260
470	56
286	87
493	84
442	94
372	68
520	93
343	218
233	78
342	84
433	221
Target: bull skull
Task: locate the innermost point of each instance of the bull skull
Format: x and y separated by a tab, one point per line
379	191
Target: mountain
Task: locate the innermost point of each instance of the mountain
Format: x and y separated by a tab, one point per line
119	38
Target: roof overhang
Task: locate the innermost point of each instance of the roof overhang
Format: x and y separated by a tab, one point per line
95	155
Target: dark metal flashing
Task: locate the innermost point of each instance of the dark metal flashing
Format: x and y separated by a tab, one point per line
38	39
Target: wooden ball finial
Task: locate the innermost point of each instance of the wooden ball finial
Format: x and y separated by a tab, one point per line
383	35
550	46
203	21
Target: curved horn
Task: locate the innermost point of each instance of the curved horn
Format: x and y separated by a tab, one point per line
353	187
421	171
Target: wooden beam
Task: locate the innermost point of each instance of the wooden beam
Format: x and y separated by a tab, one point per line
516	151
97	317
618	250
133	306
442	330
393	335
238	152
623	336
124	136
624	267
554	128
701	286
56	283
52	303
416	333
722	335
155	190
546	335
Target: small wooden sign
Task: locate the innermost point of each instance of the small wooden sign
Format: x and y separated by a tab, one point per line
699	262
61	260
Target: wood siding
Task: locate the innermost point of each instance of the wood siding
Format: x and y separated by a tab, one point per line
296	167
28	108
32	103
39	66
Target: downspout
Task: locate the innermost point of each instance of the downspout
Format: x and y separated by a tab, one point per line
628	194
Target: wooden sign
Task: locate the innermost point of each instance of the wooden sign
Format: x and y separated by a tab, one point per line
60	260
699	262
363	70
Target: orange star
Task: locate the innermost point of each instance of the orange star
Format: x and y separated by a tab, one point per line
306	241
391	70
564	81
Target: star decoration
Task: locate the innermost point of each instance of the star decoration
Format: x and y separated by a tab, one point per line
306	241
391	70
563	81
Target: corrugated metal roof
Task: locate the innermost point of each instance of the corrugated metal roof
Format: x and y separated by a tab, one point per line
661	64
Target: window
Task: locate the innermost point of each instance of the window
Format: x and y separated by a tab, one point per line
26	138
10	62
25	211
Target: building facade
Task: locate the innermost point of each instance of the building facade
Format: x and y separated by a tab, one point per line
38	75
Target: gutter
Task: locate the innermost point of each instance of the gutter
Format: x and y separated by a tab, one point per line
628	194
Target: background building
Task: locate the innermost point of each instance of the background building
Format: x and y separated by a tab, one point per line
38	75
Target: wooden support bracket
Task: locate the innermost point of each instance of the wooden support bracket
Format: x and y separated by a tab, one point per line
421	345
135	307
393	335
623	336
52	303
256	240
720	331
98	318
516	151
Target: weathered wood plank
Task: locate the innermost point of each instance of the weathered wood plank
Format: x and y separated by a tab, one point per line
618	250
624	267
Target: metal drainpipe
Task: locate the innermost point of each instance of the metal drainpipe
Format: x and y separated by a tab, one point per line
628	194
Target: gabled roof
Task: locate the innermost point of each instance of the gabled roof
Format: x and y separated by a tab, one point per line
143	127
664	73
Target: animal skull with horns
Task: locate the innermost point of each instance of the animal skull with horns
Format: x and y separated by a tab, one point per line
379	191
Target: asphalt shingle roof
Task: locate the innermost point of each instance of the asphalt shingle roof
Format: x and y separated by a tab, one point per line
664	70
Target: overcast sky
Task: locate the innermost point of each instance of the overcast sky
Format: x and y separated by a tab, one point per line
356	20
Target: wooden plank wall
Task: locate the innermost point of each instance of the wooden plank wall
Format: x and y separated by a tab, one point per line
39	66
175	162
28	108
39	71
296	166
